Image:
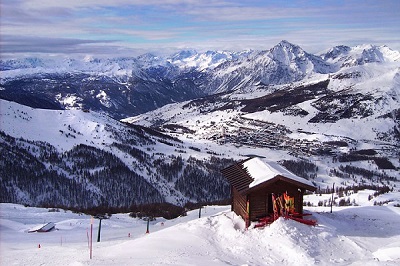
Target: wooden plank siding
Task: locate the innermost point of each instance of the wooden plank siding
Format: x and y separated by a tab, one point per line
258	205
239	203
260	199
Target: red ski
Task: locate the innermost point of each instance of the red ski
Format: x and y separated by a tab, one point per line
283	206
304	221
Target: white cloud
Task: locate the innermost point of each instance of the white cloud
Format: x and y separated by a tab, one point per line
211	24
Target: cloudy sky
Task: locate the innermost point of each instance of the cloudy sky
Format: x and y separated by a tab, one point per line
133	27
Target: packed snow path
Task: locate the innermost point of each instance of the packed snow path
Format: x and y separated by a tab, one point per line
350	235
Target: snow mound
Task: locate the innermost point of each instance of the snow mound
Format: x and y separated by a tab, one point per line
350	235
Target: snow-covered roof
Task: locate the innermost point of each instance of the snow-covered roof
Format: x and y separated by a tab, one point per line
42	227
262	171
250	173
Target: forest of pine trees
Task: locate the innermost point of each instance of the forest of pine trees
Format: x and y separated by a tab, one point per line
35	173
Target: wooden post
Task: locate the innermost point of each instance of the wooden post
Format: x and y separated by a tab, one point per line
333	191
247	213
148	224
98	234
232	198
200	212
91	237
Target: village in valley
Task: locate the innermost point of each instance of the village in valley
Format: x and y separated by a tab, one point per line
263	134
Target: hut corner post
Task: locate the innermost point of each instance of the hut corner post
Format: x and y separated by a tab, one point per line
232	198
247	213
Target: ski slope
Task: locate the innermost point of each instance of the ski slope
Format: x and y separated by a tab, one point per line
362	235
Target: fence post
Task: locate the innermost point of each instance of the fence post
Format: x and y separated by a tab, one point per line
333	191
148	225
98	234
91	237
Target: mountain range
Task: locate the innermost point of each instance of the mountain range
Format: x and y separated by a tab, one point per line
332	117
123	87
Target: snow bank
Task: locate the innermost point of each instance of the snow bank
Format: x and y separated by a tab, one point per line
350	235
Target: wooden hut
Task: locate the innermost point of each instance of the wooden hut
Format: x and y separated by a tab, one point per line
254	181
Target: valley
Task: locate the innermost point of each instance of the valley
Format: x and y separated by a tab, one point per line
331	118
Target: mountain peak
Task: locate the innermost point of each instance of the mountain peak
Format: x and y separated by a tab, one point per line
146	56
285	52
360	54
336	51
184	54
286	43
286	47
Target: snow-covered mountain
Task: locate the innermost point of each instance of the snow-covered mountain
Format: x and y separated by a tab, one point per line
343	56
130	86
207	60
284	63
333	117
364	96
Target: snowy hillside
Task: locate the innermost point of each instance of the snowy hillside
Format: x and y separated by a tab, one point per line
363	235
83	159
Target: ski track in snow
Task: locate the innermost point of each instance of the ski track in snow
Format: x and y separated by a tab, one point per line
363	235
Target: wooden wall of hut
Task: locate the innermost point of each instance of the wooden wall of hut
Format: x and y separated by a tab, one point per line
261	199
239	203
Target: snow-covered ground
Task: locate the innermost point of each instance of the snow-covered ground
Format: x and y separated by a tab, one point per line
362	235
